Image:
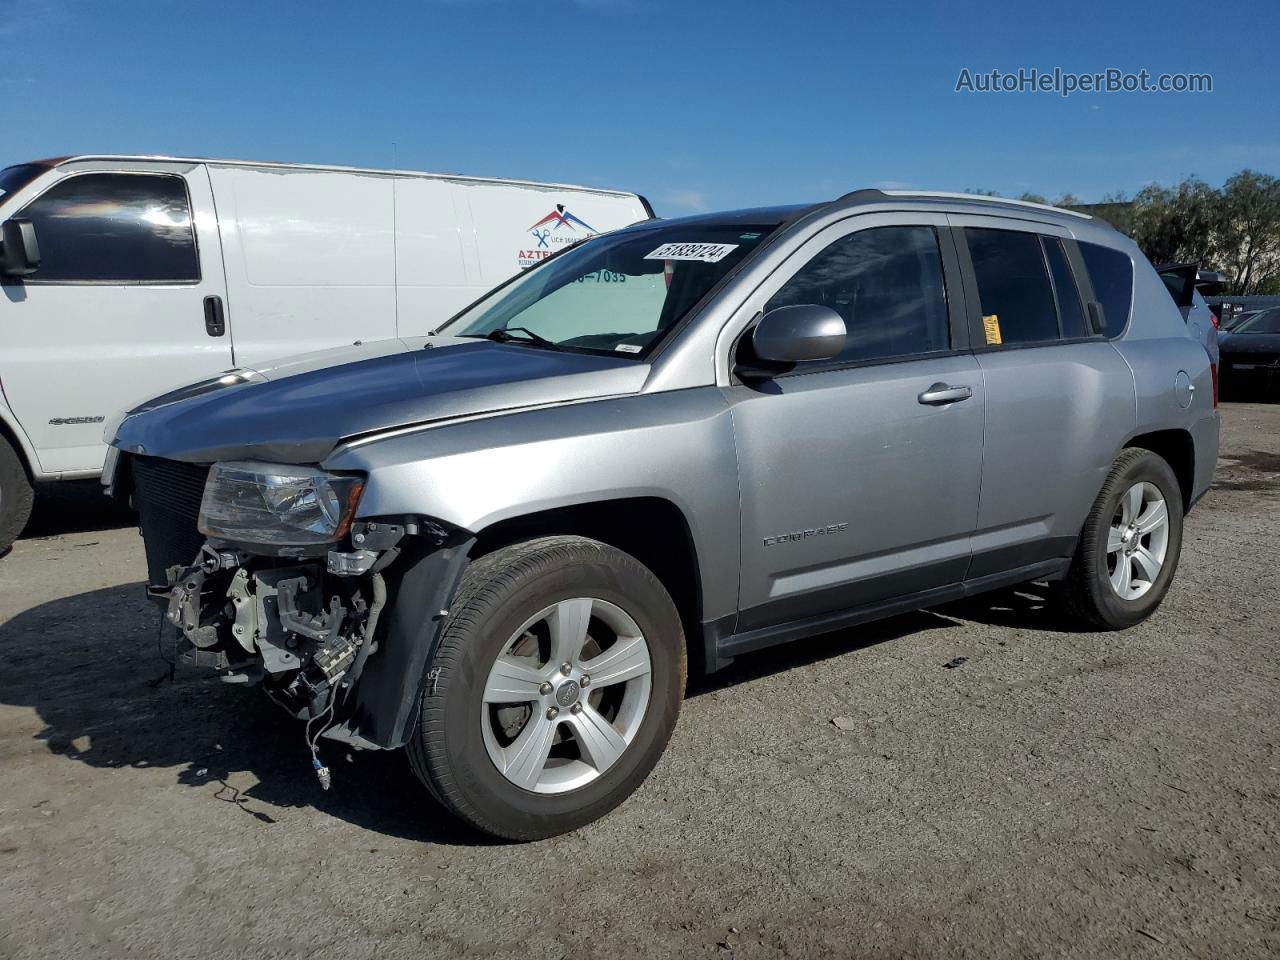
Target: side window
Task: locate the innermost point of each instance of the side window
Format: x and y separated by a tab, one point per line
1013	286
115	228
887	284
1064	284
1111	273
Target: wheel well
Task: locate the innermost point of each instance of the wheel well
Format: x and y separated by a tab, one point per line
11	438
651	529
1179	451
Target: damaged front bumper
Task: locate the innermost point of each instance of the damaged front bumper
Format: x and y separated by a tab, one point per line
341	640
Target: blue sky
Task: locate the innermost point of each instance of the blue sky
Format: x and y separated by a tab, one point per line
698	105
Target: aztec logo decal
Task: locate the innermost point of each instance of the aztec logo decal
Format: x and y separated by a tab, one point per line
557	228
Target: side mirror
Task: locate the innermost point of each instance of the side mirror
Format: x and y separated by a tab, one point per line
795	334
20	255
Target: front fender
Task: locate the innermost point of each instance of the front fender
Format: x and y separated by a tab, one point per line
676	446
386	698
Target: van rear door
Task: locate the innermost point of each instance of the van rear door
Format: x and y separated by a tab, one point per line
123	306
516	226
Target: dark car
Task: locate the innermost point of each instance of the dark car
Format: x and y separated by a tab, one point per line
1227	324
1251	357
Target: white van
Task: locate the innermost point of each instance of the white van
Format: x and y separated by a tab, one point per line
121	277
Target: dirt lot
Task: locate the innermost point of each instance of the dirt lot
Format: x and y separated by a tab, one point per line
1059	794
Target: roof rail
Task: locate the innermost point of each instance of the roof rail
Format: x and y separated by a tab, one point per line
983	198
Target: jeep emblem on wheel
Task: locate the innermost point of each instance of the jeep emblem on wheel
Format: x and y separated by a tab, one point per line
567	694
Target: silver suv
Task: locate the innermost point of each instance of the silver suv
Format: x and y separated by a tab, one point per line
500	545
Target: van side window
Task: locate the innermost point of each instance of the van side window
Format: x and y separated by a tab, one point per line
1064	284
887	284
1111	272
115	228
1013	286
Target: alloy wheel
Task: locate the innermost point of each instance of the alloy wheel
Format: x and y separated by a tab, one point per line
566	695
1137	541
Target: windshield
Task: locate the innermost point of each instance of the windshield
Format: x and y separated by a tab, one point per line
617	294
1268	321
14	178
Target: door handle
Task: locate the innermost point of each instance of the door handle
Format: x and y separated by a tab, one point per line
941	393
215	320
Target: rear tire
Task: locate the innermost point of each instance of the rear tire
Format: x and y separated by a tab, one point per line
1134	530
508	676
16	496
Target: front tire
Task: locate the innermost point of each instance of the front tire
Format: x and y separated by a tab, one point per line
1129	548
16	496
554	689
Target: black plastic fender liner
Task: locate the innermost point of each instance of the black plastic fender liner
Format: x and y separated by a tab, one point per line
385	701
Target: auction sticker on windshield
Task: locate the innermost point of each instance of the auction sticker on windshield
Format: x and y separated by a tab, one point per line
703	252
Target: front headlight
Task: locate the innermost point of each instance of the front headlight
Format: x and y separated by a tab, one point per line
278	505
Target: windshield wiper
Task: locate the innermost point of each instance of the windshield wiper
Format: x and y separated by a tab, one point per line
503	335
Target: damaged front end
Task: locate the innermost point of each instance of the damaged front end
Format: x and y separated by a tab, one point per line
290	592
302	629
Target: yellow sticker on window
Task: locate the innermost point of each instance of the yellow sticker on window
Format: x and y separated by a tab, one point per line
991	324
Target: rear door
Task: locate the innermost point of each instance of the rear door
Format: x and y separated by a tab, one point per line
116	311
1060	399
859	479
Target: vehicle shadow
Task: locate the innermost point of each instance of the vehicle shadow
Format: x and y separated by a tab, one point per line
104	697
1029	606
91	667
75	506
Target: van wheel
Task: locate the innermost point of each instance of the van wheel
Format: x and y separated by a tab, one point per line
1129	548
554	689
16	496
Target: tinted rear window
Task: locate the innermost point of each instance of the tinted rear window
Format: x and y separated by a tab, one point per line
1013	286
1112	275
1069	309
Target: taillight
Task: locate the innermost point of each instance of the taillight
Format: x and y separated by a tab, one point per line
1213	368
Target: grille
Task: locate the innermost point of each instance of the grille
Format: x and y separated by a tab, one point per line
167	496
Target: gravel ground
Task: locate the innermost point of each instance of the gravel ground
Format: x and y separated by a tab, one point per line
1059	794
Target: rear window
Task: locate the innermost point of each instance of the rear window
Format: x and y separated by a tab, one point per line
1112	275
1069	310
1013	286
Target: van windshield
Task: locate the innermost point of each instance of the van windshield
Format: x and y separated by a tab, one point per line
16	177
618	293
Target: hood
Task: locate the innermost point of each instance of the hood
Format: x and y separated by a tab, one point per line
297	410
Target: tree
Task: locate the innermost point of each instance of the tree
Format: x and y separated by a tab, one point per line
1177	223
1247	244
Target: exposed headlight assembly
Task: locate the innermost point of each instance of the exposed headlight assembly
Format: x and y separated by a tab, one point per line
278	505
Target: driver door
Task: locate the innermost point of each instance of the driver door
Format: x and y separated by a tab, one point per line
858	486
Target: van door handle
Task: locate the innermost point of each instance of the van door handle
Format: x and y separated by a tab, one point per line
941	393
215	321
